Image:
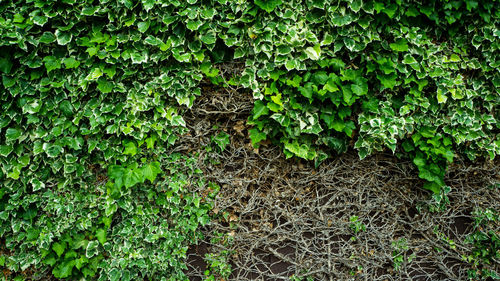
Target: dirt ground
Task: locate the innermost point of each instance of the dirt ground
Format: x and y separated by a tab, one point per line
286	217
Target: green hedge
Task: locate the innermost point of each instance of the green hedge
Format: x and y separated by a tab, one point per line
92	96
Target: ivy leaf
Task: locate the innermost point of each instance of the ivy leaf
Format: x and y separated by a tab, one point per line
40	20
154	41
143	26
92	249
130	148
209	37
148	4
116	173
360	87
59	248
115	274
256	136
14	173
356	5
307	90
47	37
222	140
37	185
132	177
104	85
401	45
194	25
66	107
313	52
63	38
94	74
441	97
300	150
101	235
64	269
347	95
328	118
5	65
12	134
52	150
51	63
388	81
71	62
342	20
259	109
338	125
151	170
5	150
432	186
268	5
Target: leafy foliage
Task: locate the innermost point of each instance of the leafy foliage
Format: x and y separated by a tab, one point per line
419	78
486	244
92	95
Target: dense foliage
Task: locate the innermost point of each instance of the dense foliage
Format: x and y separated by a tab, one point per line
92	96
419	77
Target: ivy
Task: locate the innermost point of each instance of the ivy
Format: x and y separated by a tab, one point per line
92	95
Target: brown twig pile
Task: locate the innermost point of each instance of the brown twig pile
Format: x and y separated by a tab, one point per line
294	219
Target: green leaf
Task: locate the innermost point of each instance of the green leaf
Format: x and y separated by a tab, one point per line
92	249
52	150
71	62
388	81
115	274
259	109
342	20
432	186
14	173
66	107
51	63
193	25
40	20
356	5
401	45
148	4
409	59
154	41
256	136
132	177
360	87
268	5
347	95
59	248
37	185
151	170
104	85
101	235
64	269
47	37
116	173
338	125
5	65
130	148
441	97
302	151
143	26
63	38
5	150
12	134
209	37
313	52
222	140
307	90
